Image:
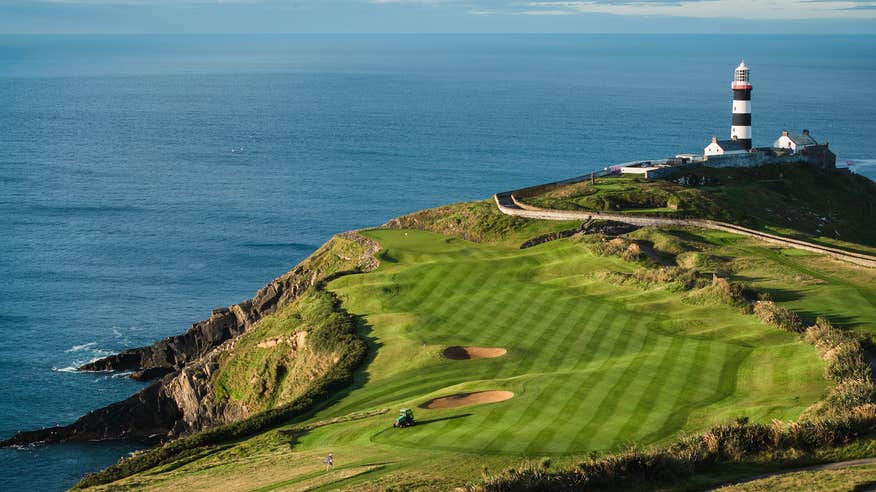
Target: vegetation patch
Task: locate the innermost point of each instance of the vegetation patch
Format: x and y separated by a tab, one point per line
794	200
480	222
602	352
854	478
334	336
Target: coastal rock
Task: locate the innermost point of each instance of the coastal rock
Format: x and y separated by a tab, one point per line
172	353
147	414
182	400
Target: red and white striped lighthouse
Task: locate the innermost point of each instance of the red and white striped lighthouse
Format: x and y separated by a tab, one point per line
740	128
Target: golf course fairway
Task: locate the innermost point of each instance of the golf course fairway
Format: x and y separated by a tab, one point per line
592	365
581	363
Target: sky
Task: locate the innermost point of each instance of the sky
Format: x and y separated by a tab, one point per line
438	16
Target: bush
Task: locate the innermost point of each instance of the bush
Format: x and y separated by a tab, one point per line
849	395
722	443
774	315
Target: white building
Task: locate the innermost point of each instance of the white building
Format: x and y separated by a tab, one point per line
795	142
724	147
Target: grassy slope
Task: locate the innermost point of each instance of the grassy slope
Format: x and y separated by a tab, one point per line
592	364
841	480
830	207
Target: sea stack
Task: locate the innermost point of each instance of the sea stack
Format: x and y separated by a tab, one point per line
740	128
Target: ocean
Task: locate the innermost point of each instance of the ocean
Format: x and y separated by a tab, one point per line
145	180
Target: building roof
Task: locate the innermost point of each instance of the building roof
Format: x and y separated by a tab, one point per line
804	139
731	145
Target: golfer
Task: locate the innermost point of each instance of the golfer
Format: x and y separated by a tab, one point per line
329	462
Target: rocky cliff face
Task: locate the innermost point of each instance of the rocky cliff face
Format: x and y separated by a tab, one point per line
173	353
182	399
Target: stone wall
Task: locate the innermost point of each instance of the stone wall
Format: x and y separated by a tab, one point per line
819	156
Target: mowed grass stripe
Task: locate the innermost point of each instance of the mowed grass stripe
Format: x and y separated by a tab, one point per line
589	362
585	398
664	388
668	392
552	412
604	393
577	388
460	305
543	338
620	401
713	381
622	338
568	331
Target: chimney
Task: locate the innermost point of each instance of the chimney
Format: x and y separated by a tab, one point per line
714	139
806	132
784	133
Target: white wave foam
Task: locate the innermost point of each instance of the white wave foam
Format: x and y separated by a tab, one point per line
65	369
79	348
857	162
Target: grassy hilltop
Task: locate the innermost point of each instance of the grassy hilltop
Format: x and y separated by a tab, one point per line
825	206
608	341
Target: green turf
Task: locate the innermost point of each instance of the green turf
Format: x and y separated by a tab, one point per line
830	207
593	366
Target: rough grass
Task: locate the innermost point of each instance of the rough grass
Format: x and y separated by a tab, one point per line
595	365
277	361
856	478
828	206
480	222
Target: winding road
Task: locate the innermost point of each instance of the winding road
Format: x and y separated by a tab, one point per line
510	205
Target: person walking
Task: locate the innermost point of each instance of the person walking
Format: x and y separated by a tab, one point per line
329	462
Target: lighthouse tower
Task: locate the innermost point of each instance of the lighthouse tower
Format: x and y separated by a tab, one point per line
741	123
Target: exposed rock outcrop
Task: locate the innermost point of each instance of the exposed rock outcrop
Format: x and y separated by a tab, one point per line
183	399
148	413
173	353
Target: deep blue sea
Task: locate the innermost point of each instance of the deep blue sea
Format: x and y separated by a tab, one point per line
146	180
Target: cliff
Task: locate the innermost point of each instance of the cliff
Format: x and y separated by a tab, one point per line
185	398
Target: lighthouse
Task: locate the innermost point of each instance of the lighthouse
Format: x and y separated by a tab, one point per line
740	129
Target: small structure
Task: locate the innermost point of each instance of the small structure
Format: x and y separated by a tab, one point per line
740	125
724	147
796	143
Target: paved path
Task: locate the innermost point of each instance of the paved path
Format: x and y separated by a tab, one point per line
826	466
510	205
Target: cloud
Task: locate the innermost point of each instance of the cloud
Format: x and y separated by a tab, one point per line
773	10
710	9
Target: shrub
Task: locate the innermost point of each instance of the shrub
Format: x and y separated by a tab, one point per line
774	315
846	361
850	394
638	468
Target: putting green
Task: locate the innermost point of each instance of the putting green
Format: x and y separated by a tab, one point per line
592	365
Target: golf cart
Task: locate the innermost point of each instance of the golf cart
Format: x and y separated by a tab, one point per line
405	418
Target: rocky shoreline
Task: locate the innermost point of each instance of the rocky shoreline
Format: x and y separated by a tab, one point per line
181	401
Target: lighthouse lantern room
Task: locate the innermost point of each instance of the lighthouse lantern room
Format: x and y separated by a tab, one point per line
740	129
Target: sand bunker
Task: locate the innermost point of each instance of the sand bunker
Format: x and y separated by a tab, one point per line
465	353
466	399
